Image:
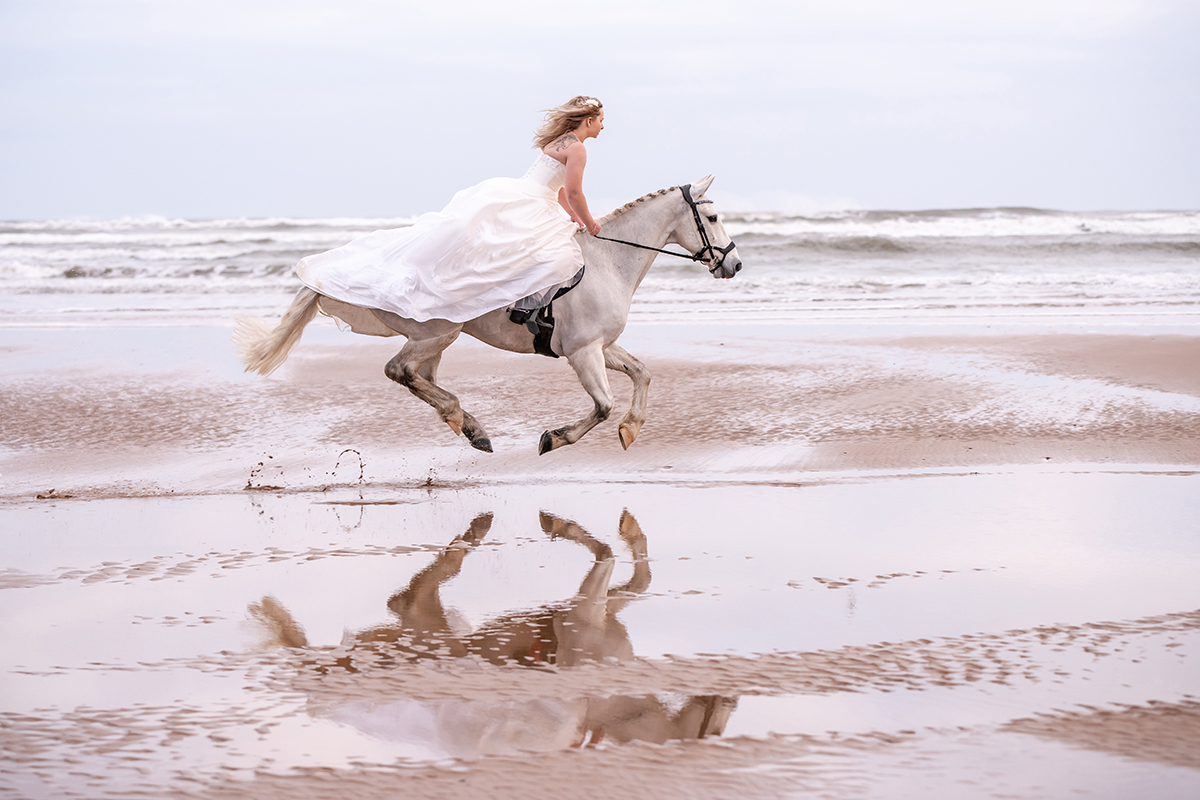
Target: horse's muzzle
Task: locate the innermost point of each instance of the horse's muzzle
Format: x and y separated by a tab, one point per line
730	265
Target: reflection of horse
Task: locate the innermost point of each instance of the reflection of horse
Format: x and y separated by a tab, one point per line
581	629
590	317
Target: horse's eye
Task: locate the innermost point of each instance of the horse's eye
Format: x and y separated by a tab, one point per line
713	218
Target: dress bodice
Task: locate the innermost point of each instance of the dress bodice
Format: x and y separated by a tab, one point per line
548	172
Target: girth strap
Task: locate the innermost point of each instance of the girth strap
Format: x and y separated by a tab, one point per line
545	330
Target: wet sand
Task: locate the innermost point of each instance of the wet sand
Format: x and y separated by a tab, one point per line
846	561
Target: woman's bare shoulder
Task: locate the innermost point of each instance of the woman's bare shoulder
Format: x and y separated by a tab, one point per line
563	147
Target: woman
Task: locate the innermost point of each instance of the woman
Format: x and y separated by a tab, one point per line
503	243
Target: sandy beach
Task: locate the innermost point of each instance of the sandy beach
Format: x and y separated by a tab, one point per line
841	560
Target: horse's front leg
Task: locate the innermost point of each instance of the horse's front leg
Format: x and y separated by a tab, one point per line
639	582
616	358
415	367
588	363
582	626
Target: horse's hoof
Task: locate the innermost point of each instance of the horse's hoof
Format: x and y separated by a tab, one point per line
551	440
482	443
627	435
478	528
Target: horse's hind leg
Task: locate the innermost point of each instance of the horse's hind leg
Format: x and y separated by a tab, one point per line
588	364
418	606
419	603
415	367
616	358
471	428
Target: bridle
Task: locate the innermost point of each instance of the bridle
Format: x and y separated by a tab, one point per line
707	253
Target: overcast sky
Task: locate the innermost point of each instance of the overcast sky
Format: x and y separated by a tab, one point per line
227	108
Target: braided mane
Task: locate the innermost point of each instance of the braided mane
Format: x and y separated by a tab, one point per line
610	216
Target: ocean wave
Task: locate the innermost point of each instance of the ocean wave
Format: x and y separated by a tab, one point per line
773	287
974	223
842	262
947	279
1006	221
1117	247
155	223
178	255
308	237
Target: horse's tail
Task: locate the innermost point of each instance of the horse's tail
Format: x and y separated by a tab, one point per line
262	349
276	626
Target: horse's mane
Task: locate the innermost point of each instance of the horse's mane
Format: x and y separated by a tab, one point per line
610	216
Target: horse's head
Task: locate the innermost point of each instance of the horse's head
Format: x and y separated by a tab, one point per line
701	230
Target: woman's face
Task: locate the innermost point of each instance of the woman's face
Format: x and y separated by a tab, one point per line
593	125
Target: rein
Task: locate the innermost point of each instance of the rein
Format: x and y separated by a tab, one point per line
706	253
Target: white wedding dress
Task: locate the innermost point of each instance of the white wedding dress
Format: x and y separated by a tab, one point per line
501	243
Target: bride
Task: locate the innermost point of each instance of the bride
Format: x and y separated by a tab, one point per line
506	242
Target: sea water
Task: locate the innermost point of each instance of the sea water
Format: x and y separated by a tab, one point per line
964	264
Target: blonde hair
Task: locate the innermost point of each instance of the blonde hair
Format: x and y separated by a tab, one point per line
565	118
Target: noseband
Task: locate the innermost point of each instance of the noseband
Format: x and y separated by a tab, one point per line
707	253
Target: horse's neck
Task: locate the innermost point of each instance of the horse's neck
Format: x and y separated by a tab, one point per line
649	224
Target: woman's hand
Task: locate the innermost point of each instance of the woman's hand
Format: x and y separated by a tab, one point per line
594	228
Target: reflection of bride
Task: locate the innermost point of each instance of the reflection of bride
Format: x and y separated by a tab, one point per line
582	629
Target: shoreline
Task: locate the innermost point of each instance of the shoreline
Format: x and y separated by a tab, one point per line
98	407
877	559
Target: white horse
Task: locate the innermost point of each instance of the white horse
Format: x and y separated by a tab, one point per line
589	318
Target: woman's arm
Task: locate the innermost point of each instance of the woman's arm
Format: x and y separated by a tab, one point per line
562	201
576	203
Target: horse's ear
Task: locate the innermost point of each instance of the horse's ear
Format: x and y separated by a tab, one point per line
701	186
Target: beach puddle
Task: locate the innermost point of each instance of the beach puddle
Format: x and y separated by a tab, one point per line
889	628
